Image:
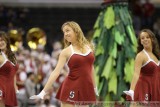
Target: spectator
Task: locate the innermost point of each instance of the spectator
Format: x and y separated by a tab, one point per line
148	10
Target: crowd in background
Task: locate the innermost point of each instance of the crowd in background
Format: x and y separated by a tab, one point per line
143	12
35	67
144	16
12	18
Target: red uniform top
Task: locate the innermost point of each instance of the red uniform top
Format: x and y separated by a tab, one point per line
7	90
158	80
78	86
146	88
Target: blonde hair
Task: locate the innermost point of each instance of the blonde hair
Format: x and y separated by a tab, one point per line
81	40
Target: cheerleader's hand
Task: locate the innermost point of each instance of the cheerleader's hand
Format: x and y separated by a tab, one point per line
17	92
130	93
96	91
39	96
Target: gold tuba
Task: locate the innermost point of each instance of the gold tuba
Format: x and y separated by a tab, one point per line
35	37
15	39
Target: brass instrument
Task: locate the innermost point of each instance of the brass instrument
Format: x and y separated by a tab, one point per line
15	39
35	37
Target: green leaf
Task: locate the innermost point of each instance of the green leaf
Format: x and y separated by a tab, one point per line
109	17
108	67
108	98
96	75
104	88
128	70
120	63
106	40
101	60
131	35
99	49
121	87
129	52
113	50
118	38
101	63
100	87
97	33
123	16
96	25
112	85
118	34
134	48
110	41
128	15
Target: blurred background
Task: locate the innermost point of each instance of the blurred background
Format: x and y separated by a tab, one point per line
34	27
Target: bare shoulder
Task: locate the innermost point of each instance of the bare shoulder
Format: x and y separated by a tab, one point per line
140	56
66	52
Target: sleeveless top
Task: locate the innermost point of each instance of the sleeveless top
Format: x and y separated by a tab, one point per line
146	88
7	90
78	85
158	82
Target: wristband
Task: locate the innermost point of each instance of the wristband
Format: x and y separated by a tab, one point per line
96	91
42	94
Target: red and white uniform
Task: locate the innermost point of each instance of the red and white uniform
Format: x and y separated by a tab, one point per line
7	90
158	82
147	88
78	85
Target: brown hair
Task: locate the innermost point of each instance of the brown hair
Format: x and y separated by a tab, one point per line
9	53
154	40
